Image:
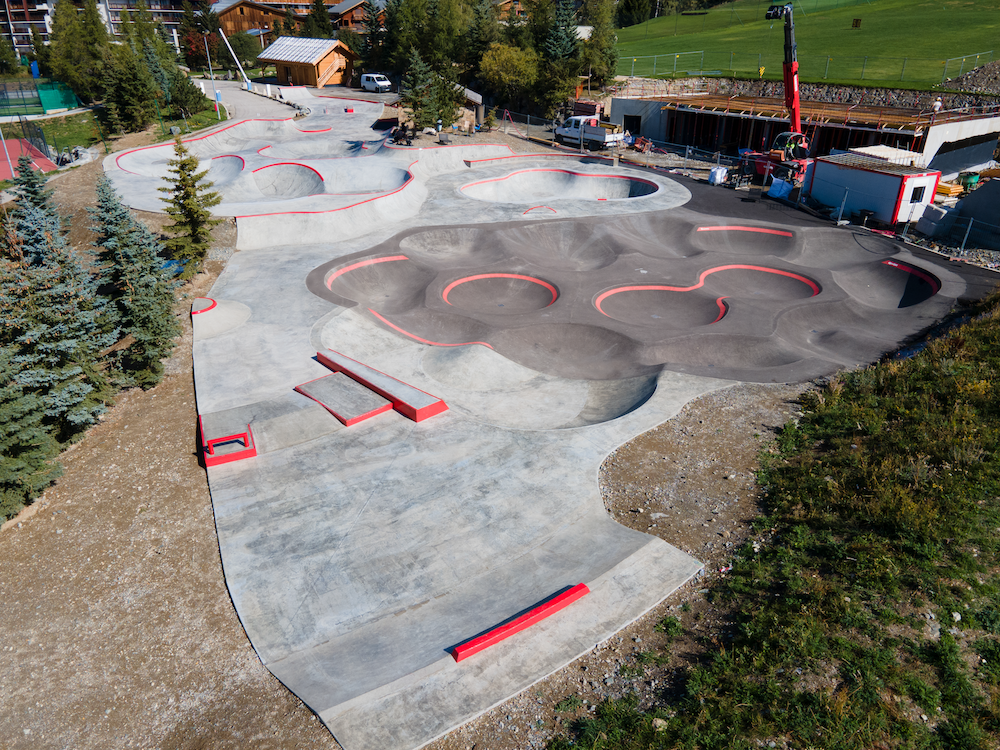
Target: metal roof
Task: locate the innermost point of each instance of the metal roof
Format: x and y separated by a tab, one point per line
294	49
344	6
858	161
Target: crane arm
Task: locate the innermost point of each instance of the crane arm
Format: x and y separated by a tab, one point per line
790	69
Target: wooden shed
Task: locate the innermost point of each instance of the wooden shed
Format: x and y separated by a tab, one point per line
248	16
310	62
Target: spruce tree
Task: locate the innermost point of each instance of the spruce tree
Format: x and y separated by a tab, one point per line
418	94
562	40
484	31
141	291
52	313
40	51
27	449
317	24
188	205
371	25
129	88
30	185
77	46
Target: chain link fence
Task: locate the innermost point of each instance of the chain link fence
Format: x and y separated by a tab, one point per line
811	67
970	234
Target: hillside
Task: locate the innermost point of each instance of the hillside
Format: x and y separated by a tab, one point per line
896	42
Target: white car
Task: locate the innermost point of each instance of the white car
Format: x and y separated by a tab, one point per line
375	82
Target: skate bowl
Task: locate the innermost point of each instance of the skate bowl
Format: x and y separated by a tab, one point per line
608	299
533	185
225	169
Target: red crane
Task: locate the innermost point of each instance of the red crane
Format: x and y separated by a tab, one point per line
788	156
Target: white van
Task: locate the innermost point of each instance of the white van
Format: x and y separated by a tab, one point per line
375	82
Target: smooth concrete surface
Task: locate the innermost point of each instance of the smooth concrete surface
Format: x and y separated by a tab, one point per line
357	556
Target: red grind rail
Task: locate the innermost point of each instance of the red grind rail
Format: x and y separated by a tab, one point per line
529	618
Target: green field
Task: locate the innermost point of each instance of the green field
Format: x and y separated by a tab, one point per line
897	41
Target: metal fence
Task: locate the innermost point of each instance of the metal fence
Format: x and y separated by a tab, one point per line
974	234
19	97
811	67
33	134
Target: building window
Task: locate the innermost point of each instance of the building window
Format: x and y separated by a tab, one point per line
917	195
241	11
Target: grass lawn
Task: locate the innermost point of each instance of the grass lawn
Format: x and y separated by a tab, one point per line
62	132
736	37
871	618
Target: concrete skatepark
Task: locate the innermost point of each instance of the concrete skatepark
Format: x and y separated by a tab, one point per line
556	306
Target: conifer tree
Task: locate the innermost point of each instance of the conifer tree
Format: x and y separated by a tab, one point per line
74	56
130	88
371	25
30	185
317	24
418	84
561	43
141	291
188	205
484	31
27	449
52	314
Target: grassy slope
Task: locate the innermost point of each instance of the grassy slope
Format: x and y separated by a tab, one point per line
891	30
884	503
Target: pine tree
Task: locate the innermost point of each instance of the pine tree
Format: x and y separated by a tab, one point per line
418	91
52	314
484	31
141	291
290	23
130	88
77	46
189	203
30	185
371	25
561	43
27	449
317	24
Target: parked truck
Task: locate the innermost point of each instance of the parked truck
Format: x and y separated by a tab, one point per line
595	134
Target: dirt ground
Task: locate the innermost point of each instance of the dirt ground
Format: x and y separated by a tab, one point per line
117	631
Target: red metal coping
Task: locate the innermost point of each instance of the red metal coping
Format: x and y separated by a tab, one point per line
529	618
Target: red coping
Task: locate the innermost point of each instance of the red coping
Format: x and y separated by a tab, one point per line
208	446
535	207
529	618
341	418
361	264
204	309
417	414
701	282
395	327
479	276
762	230
935	284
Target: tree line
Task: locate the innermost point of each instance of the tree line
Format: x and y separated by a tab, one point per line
75	327
136	79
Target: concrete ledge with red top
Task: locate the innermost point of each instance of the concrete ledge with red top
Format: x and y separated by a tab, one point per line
409	401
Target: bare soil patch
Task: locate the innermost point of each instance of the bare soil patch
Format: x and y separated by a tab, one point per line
117	630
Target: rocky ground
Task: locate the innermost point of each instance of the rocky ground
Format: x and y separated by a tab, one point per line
117	630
